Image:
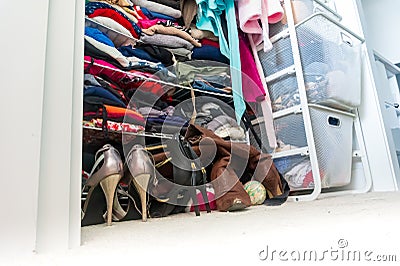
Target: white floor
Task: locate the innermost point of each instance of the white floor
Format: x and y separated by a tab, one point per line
366	223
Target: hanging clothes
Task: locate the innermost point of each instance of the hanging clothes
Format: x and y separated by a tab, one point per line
189	11
251	12
253	89
209	14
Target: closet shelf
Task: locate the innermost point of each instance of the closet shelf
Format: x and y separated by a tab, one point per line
257	121
139	134
149	134
298	109
390	67
291	110
281	35
174	85
298	151
284	72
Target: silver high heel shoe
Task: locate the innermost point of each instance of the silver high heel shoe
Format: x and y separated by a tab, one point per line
141	170
108	176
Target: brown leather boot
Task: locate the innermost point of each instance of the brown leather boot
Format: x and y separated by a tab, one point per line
229	192
231	159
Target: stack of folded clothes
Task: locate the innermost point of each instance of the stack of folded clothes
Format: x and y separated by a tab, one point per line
148	42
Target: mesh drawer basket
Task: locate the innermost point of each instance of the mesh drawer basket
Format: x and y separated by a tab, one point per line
284	93
297	171
329	53
332	132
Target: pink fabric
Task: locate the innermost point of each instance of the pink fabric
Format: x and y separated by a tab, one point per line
266	103
253	89
101	71
202	205
147	23
250	12
275	11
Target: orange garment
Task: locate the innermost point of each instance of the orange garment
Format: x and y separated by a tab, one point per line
114	111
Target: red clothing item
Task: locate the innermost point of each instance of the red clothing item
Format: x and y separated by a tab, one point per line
123	79
108	71
150	86
119	114
114	15
140	12
209	42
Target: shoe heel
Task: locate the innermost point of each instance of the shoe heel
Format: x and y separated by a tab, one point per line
109	185
205	198
141	183
193	195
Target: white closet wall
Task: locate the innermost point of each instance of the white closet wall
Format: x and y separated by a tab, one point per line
382	18
370	111
40	115
23	45
58	216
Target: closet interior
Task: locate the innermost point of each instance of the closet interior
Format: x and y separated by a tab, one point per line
187	110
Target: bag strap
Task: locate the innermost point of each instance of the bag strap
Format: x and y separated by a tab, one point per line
104	115
249	125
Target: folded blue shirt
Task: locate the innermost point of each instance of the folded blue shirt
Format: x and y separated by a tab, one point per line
208	52
200	85
129	51
103	93
154	15
98	36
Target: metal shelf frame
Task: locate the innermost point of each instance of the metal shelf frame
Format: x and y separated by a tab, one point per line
310	149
